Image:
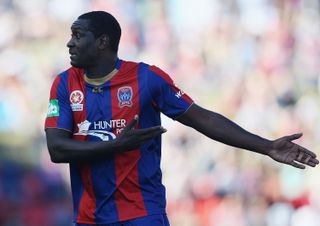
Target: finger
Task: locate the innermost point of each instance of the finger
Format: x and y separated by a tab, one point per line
315	161
131	124
312	164
157	132
151	130
143	138
304	150
294	136
297	165
306	159
300	156
310	160
151	134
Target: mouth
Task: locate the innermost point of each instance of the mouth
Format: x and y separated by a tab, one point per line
72	53
73	56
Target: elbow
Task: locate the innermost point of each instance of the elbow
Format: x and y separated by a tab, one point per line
56	159
56	154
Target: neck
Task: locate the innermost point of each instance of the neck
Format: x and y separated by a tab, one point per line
102	68
100	81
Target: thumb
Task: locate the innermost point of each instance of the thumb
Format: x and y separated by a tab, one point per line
294	136
131	124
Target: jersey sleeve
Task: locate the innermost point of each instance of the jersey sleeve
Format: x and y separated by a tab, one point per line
170	100
59	111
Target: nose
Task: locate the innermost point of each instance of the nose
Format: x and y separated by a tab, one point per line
70	43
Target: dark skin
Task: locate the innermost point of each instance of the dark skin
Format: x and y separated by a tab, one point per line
95	57
219	128
90	53
63	149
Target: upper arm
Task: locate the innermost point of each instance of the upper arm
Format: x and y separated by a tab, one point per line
171	101
194	116
54	135
55	139
59	112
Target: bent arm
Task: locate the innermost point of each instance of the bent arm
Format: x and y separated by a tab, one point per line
219	128
63	149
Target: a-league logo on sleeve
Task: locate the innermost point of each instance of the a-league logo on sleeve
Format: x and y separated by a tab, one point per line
53	109
125	96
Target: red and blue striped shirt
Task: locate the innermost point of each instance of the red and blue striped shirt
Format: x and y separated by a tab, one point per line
127	185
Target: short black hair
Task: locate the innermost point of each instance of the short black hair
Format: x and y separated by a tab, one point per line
101	22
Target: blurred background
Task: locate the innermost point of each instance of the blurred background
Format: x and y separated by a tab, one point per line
254	61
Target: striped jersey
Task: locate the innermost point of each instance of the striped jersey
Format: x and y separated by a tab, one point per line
127	185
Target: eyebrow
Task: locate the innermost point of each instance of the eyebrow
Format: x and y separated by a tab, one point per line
78	26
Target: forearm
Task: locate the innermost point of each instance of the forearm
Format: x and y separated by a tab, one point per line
224	130
219	128
64	149
67	150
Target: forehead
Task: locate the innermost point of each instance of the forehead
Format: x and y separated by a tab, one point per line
80	24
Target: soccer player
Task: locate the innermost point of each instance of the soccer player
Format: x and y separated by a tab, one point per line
104	119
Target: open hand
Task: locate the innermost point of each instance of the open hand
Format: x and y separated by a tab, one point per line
285	151
131	138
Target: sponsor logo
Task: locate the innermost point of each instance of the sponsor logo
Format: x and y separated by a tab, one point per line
53	109
125	96
180	93
76	99
115	123
99	128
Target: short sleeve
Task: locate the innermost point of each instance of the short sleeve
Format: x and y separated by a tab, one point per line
171	100
59	111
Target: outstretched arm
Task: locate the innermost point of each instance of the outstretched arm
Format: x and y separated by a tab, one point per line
63	149
221	129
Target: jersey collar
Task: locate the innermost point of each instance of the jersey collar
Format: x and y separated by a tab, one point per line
108	77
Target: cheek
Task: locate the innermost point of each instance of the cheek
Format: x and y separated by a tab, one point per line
88	51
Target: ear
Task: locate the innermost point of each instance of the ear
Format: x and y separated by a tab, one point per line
104	42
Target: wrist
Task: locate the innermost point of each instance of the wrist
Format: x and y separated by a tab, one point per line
113	145
267	147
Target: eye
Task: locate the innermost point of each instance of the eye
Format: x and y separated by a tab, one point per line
76	35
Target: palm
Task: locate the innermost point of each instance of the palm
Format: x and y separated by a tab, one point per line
285	151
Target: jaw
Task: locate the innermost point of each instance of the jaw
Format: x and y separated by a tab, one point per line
83	64
74	62
77	61
73	59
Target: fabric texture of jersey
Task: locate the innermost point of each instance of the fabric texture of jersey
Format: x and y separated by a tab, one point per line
128	185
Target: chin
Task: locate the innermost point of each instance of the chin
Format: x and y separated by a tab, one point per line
74	64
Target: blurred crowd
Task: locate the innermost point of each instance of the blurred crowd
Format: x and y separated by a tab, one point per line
254	61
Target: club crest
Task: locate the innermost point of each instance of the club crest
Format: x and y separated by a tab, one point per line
125	96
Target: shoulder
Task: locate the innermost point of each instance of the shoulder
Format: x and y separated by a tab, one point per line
71	72
131	65
157	73
128	66
154	71
62	78
145	70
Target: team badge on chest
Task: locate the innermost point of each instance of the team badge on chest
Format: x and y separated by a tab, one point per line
76	100
125	96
